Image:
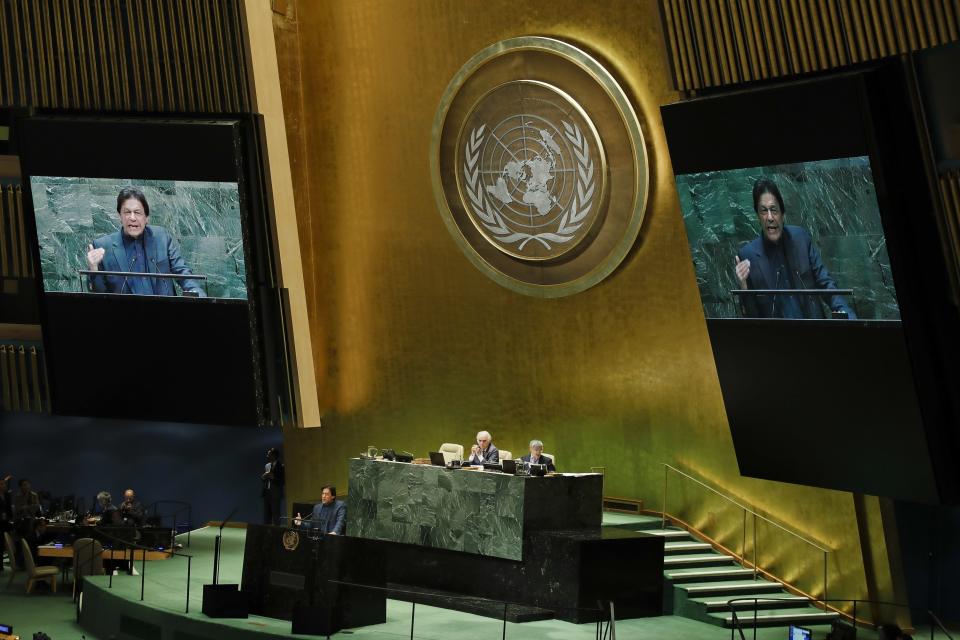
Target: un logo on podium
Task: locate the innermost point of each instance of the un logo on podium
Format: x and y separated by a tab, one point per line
541	176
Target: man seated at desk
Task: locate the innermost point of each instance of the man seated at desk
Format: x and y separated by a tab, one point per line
105	513
328	517
132	513
484	451
536	456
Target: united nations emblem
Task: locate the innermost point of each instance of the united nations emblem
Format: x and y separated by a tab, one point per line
291	540
542	178
530	170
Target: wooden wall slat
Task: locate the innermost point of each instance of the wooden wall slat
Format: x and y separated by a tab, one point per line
721	42
126	55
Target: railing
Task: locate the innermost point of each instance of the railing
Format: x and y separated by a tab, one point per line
746	510
126	546
756	600
181	507
606	625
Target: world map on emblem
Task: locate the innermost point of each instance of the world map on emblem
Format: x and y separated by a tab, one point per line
532	170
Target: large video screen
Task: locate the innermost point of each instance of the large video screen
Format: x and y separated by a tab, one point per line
153	241
139	237
811	230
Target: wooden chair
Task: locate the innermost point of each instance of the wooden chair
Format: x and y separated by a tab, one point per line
87	560
35	573
11	551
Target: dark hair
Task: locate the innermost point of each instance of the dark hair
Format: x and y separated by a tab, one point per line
275	451
22	480
763	186
132	192
333	489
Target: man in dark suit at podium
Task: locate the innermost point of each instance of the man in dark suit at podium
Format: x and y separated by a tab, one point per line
138	247
329	517
536	456
782	257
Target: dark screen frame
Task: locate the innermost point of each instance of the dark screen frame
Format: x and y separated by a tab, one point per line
838	433
210	368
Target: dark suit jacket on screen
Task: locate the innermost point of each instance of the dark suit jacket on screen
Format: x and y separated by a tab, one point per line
547	460
163	256
806	271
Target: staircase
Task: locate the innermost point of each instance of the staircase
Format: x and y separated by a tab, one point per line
699	582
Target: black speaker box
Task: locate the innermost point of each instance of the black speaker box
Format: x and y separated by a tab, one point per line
313	620
224	601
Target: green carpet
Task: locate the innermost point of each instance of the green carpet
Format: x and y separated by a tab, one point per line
165	587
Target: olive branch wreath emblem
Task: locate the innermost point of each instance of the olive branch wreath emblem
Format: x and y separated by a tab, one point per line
492	220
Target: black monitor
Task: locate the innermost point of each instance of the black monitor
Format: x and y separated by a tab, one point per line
157	295
818	262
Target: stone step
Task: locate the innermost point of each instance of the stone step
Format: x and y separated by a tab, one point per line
669	534
778	617
767	601
730	588
696	560
686	547
702	575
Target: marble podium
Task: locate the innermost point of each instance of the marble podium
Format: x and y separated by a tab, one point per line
470	511
488	543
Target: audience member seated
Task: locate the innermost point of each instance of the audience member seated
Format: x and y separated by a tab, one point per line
38	537
328	517
6	514
484	451
26	502
536	456
6	507
106	513
132	512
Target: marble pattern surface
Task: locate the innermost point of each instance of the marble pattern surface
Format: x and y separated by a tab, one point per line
834	200
430	506
203	216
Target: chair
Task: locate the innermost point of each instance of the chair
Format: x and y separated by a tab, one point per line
11	551
87	560
552	457
451	451
35	573
505	455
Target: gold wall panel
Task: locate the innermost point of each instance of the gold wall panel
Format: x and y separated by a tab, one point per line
145	55
950	198
415	347
720	42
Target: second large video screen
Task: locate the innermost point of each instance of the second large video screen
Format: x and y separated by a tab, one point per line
796	228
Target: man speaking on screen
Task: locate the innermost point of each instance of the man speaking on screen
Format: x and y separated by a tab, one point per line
138	248
783	257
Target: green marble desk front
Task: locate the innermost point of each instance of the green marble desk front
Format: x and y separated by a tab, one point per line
486	513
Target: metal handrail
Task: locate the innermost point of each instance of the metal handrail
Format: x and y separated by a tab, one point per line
666	474
143	568
603	607
854	601
184	506
747	509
